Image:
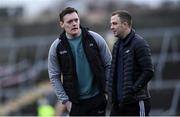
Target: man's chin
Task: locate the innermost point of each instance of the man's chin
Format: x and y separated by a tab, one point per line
115	35
74	34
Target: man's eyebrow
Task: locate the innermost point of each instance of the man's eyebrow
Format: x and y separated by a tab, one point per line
72	19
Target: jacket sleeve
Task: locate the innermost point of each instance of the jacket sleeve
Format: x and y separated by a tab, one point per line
143	59
55	73
104	52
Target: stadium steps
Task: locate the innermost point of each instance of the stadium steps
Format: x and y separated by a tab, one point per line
27	98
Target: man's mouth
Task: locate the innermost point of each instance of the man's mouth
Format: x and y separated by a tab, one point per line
74	28
114	32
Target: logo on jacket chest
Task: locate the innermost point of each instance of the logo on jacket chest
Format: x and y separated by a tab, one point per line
127	51
63	52
91	44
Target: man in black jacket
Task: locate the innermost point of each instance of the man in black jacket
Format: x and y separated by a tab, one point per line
131	69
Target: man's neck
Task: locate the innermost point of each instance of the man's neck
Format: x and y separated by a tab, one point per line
73	36
126	33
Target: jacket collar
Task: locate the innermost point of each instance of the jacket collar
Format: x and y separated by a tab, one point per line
128	38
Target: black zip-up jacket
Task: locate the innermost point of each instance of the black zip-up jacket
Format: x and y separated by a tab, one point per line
137	69
67	64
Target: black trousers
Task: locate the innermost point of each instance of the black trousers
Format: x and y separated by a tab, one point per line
138	108
95	106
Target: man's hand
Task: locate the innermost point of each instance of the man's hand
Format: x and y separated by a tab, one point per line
60	109
68	105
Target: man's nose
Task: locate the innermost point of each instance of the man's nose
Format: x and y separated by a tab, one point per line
111	27
74	22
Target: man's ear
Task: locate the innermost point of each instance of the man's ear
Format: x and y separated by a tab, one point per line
61	24
125	24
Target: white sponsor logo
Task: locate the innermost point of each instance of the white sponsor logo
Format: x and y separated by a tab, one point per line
91	44
63	52
127	51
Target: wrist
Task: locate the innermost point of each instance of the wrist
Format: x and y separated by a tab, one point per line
64	101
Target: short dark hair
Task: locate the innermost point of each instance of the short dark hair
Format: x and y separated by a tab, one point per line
67	10
124	16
